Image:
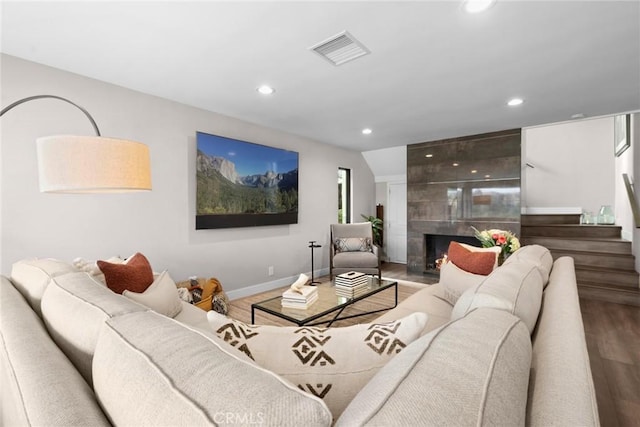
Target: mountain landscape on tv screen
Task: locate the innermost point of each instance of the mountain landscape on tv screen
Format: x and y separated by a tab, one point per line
222	191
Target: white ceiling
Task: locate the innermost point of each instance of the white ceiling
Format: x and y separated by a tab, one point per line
433	72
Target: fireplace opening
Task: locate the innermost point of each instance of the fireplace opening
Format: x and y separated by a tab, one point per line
436	247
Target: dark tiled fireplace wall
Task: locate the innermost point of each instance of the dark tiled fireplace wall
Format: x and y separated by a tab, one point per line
457	183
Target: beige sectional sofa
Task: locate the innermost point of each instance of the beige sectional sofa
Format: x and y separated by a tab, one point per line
506	352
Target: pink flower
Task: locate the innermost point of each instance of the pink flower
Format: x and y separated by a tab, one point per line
501	240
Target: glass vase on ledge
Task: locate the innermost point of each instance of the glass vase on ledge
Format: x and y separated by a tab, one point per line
606	216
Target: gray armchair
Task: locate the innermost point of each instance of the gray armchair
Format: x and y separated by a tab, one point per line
352	249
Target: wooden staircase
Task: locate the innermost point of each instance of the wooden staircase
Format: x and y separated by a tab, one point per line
605	266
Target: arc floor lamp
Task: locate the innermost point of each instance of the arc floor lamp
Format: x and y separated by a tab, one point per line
89	164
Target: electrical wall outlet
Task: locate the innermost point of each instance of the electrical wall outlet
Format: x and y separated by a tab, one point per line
271	270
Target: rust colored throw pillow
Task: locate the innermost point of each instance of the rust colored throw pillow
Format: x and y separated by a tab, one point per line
134	275
476	262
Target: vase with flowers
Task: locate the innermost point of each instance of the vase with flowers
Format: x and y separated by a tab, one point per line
506	240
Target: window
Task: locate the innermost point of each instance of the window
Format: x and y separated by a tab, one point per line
344	196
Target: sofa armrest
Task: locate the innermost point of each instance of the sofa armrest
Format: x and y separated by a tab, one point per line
561	390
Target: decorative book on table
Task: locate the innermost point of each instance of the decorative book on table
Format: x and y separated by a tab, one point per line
299	295
352	278
351	284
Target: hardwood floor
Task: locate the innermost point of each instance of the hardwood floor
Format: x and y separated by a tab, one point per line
612	332
613	341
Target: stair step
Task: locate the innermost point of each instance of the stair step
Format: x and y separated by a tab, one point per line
610	245
609	286
549	219
604	263
607	276
611	293
571	230
598	259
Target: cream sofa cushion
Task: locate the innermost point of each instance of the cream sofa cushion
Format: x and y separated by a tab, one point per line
39	386
151	370
32	276
536	254
161	296
472	371
429	300
331	363
192	315
515	287
74	307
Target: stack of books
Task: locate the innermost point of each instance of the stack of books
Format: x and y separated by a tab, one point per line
351	284
301	297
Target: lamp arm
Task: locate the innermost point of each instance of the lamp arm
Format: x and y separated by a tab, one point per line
31	98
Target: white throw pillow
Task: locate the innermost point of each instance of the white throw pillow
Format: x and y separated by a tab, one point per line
455	281
330	363
161	296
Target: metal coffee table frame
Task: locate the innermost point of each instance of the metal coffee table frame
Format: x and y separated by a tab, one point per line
339	306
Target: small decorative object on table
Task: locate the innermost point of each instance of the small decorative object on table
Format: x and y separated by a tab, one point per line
508	241
351	284
300	295
206	294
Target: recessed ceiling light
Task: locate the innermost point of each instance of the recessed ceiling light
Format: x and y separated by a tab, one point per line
476	6
428	156
487	176
366	131
515	101
265	90
474	171
455	164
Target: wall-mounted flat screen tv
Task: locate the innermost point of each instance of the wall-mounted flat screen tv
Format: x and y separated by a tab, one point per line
242	184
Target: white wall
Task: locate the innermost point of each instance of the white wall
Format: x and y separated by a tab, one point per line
389	165
160	223
574	165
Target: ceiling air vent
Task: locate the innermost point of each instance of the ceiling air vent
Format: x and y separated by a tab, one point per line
340	48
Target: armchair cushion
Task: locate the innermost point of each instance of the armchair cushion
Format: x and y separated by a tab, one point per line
352	244
355	260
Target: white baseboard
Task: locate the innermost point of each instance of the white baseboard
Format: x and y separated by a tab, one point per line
269	286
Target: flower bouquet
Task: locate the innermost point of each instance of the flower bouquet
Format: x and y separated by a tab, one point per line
507	241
